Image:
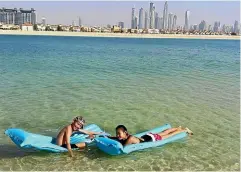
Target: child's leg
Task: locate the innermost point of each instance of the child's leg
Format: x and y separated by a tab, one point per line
168	131
81	145
177	132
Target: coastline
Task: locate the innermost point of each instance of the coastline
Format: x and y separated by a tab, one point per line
116	35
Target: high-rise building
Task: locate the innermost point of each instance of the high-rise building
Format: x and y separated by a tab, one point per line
17	17
187	16
216	27
203	25
73	23
165	16
170	20
43	21
152	15
174	23
195	27
141	19
146	20
133	18
161	23
135	23
210	28
121	24
156	20
236	27
80	22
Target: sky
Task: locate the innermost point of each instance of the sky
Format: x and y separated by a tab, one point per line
101	13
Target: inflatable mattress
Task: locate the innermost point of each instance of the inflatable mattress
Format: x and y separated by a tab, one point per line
114	147
25	139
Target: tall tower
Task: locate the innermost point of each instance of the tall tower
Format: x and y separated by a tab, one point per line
170	20
141	19
146	20
133	18
187	15
174	23
165	16
152	15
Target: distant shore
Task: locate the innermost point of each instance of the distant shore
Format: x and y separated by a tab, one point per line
117	35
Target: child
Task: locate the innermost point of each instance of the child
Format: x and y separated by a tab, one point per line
125	138
63	138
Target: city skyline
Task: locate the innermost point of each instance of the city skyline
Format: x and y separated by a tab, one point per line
121	11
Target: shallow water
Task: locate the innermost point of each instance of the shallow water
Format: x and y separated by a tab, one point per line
142	83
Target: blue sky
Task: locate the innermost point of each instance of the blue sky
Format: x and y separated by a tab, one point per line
111	12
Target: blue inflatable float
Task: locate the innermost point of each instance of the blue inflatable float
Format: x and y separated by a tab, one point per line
25	139
114	147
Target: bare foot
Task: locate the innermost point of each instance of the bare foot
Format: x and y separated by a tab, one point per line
189	131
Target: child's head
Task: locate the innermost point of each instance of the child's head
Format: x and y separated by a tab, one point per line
121	132
78	123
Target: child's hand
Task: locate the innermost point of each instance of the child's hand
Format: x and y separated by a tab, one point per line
91	136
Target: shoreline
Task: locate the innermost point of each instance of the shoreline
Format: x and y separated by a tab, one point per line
117	35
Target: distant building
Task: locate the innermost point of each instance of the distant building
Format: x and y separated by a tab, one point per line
141	19
80	22
43	21
170	20
187	16
135	23
202	25
146	20
17	17
216	27
133	18
27	27
121	24
236	27
165	17
174	23
152	15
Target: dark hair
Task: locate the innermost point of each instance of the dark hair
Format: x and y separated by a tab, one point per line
122	127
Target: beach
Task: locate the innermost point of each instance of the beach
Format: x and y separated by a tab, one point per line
46	81
117	35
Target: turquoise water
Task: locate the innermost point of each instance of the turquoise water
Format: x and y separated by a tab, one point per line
142	83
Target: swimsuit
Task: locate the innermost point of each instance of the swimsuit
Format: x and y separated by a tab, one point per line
151	137
73	146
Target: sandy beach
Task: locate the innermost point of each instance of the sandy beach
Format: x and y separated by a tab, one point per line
120	35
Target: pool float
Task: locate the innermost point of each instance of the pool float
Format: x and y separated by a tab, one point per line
25	139
114	147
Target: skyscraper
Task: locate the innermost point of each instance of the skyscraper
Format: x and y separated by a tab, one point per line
174	23
152	15
187	15
165	16
161	23
43	21
236	27
156	20
146	20
141	19
80	22
170	20
203	25
216	27
17	17
133	18
135	23
121	24
158	23
210	28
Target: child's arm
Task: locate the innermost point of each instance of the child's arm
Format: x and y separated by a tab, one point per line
89	132
132	140
67	138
